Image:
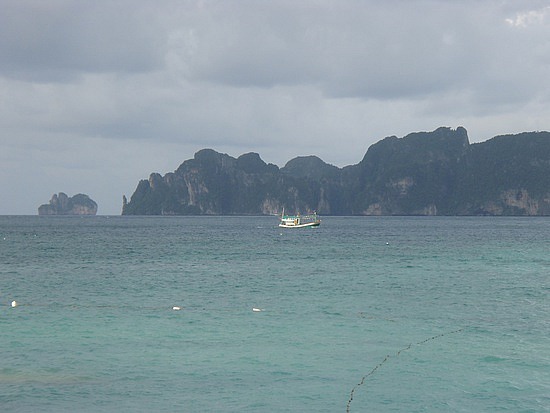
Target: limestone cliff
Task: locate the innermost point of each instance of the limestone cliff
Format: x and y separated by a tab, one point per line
423	173
61	204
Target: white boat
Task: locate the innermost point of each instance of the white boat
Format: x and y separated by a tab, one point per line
299	221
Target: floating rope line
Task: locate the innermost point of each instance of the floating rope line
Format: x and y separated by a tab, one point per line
178	307
348	406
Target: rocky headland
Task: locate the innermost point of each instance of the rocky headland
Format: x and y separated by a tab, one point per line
423	173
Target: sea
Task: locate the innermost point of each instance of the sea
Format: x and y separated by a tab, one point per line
234	314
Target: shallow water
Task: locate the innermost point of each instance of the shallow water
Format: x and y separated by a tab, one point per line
385	314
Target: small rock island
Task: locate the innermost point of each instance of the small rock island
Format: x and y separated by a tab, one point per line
61	204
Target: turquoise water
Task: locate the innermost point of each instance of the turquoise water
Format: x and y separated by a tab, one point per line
385	314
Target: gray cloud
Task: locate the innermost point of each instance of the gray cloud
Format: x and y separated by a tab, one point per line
369	50
99	94
59	40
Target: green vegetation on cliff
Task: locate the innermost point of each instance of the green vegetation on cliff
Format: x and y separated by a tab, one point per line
425	173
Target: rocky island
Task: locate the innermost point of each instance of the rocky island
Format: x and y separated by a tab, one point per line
423	173
61	204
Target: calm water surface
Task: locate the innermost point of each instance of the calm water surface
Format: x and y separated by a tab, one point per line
382	314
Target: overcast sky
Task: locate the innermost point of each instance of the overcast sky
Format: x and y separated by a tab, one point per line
96	95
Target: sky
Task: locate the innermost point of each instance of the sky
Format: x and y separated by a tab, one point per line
97	95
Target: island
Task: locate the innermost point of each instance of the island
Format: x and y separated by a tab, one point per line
423	173
61	204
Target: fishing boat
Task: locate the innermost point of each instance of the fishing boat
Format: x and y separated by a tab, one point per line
299	221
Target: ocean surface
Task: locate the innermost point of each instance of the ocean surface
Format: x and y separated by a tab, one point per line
363	314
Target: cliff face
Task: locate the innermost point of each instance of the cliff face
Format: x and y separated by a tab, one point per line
426	173
61	204
209	184
415	175
507	175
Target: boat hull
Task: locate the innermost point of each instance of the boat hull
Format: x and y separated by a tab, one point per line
306	225
299	221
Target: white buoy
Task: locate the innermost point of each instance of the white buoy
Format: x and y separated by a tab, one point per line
256	310
176	308
14	303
